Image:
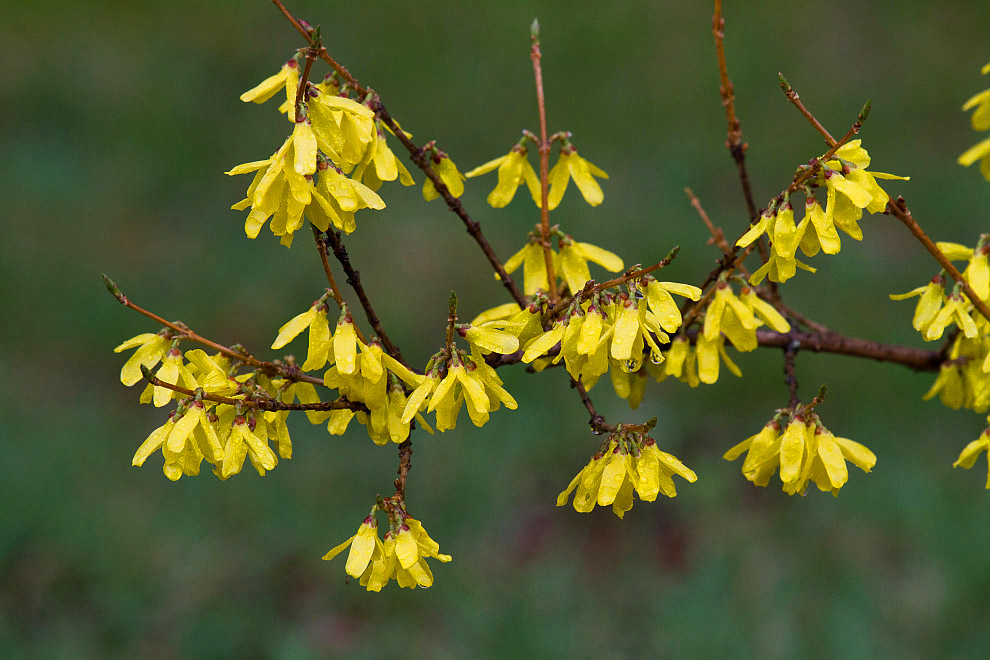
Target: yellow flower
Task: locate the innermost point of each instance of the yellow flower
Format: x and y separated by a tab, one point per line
534	264
363	545
574	258
816	232
287	78
967	458
662	304
729	315
980	120
401	557
779	269
513	170
151	348
447	171
488	339
628	463
708	353
805	452
571	166
172	371
851	188
320	345
931	301
978	152
242	443
956	310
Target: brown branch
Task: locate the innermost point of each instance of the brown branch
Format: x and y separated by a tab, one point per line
184	332
266	404
899	210
321	246
536	56
918	359
405	464
596	422
354	280
419	158
734	131
790	376
794	98
718	236
303	82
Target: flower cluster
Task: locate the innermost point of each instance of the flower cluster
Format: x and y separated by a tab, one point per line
964	377
402	556
514	169
328	168
728	317
805	451
980	120
570	262
610	332
628	462
850	189
455	377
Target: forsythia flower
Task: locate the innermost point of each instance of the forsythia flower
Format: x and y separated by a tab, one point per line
967	458
287	78
447	171
574	258
806	451
571	166
628	462
570	263
401	557
850	189
513	170
151	348
980	120
320	339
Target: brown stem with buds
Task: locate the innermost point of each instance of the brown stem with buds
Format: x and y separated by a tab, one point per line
266	404
536	56
184	332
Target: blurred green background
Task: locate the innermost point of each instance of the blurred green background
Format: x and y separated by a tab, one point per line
117	121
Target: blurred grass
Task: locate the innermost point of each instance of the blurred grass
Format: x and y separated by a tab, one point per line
116	124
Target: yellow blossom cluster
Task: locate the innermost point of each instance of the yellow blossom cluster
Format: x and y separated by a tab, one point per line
569	263
402	556
731	317
850	189
628	462
328	168
964	377
804	452
514	169
980	120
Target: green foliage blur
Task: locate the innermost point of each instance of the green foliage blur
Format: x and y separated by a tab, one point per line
117	121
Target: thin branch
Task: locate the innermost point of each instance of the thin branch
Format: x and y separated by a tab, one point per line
596	422
354	280
184	332
734	131
321	246
303	82
405	464
794	98
266	404
918	359
536	56
718	236
790	376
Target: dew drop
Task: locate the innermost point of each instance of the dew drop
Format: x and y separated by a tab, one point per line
656	357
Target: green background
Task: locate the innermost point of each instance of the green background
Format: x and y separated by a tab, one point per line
117	121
